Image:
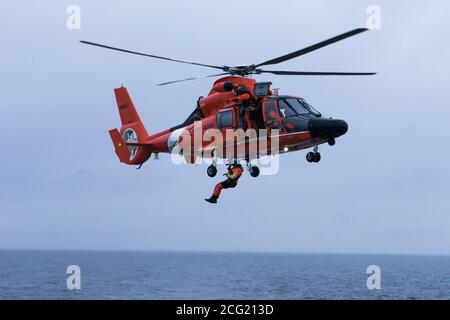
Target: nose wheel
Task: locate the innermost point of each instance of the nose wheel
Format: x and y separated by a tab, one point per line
331	142
313	156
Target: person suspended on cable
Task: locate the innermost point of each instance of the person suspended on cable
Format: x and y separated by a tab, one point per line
235	171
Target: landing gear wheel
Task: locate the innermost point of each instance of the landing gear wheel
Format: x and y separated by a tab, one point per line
310	156
317	157
331	142
254	172
211	171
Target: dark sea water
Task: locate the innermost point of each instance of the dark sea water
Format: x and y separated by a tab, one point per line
164	275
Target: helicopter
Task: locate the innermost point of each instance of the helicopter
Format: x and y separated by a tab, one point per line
236	101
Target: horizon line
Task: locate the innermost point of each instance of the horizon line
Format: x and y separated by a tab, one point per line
227	252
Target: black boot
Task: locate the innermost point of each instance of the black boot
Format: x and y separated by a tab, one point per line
213	199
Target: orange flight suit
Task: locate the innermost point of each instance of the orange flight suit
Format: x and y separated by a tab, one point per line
231	182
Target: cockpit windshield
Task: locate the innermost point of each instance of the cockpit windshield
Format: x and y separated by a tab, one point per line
298	107
309	107
290	107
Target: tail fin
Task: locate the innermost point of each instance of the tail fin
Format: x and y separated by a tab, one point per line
132	131
127	110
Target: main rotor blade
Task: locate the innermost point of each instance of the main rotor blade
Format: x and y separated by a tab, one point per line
150	55
193	78
309	73
313	47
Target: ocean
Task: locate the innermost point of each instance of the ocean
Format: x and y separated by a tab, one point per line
174	275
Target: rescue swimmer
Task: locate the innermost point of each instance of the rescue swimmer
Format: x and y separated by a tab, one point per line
235	171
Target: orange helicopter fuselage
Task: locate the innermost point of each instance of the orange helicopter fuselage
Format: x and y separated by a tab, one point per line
279	117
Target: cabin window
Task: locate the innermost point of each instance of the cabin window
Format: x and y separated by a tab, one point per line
225	119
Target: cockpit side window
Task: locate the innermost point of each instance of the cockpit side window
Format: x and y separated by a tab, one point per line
285	110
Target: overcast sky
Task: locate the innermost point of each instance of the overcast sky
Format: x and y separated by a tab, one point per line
384	187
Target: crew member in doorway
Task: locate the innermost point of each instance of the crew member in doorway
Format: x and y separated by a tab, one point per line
244	98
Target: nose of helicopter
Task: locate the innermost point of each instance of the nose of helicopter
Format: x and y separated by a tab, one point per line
327	128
